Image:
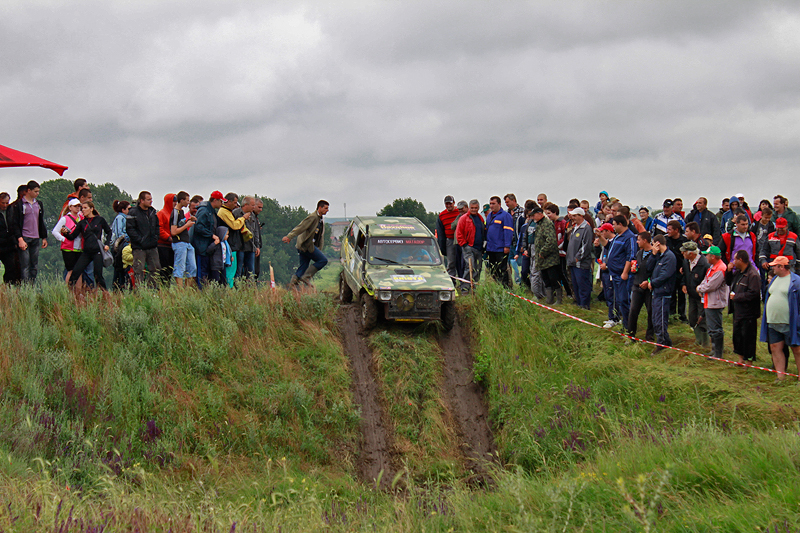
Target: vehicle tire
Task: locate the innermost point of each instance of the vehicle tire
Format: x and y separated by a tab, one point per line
448	315
369	312
345	292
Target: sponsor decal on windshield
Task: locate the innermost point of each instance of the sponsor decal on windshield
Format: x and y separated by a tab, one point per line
396	226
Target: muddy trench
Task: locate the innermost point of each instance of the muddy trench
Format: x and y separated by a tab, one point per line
463	397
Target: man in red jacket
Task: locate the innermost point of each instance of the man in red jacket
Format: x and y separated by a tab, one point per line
166	256
471	235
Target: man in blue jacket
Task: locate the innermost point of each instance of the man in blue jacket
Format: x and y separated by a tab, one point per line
622	252
204	233
662	282
499	237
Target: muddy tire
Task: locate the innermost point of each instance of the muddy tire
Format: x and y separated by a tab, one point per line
345	292
448	315
369	312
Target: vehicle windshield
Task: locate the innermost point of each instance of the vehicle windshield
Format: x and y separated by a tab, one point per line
403	251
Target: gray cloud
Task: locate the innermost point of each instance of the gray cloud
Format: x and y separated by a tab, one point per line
363	103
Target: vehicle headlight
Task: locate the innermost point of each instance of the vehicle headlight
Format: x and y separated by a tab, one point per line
384	296
445	296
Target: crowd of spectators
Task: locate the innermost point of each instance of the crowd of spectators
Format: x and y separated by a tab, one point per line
682	268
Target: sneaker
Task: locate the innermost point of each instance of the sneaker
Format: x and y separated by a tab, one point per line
608	324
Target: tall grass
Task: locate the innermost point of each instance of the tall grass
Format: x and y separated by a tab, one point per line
231	411
115	380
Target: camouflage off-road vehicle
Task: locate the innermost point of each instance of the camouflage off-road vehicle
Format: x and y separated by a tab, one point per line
394	267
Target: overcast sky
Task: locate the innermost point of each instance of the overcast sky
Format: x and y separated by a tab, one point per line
362	102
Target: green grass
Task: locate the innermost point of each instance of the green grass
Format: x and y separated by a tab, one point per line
191	411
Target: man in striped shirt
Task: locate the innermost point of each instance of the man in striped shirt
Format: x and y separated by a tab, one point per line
662	219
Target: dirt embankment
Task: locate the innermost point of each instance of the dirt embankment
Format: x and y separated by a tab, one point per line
375	450
466	402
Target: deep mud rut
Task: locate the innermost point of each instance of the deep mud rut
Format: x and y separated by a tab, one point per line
465	400
375	449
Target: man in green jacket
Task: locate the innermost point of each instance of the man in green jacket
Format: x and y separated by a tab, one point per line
310	235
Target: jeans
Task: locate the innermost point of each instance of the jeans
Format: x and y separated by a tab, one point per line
317	257
185	261
622	297
203	269
661	319
641	298
608	293
581	286
29	259
498	268
245	264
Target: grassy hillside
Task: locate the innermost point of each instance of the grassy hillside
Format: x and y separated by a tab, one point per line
232	411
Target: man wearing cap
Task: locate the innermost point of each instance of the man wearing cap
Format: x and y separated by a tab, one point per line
715	297
782	210
580	257
693	272
780	243
605	236
310	235
780	323
499	238
463	208
662	219
445	233
662	284
745	283
707	222
518	216
204	233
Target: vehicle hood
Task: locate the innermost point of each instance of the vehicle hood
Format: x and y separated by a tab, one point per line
414	278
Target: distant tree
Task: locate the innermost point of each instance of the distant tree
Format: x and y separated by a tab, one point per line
408	207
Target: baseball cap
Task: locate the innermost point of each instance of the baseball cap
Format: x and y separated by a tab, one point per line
536	209
780	260
485	207
449	199
781	223
667	203
714	250
689	246
578	211
461	204
216	195
606	227
74	201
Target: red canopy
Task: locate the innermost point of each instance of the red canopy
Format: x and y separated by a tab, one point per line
14	158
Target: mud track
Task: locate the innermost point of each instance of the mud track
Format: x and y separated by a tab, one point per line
465	400
375	449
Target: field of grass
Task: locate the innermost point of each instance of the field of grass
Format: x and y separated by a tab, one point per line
232	411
